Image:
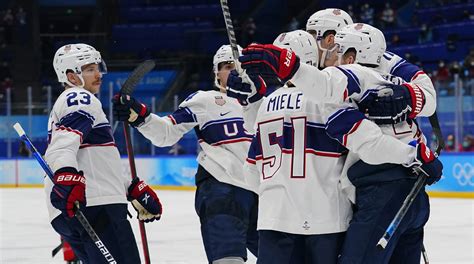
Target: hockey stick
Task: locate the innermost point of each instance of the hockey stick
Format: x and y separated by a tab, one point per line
135	77
231	34
437	132
56	249
78	213
420	182
127	88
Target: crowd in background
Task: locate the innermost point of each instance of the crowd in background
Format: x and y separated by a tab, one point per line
12	21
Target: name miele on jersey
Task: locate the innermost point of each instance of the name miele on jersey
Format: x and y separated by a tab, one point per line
296	167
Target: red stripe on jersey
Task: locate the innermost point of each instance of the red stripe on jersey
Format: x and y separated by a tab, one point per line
110	144
417	74
251	161
323	153
230	141
353	129
315	152
172	119
70	130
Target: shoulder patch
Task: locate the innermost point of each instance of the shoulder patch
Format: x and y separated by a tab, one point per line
219	100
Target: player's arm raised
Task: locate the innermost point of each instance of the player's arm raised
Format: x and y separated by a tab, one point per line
161	131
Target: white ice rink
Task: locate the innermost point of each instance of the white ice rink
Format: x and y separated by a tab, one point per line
27	237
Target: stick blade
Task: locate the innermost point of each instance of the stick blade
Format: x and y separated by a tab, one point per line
19	130
134	78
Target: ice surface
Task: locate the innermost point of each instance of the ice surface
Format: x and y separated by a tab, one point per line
27	237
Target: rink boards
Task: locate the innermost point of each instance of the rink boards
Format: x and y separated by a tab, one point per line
178	173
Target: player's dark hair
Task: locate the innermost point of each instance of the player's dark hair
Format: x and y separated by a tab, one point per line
67	71
329	32
350	52
221	64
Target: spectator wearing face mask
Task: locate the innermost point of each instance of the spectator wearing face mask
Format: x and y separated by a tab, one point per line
468	143
450	145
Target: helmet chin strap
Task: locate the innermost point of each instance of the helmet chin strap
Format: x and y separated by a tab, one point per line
323	55
218	85
75	85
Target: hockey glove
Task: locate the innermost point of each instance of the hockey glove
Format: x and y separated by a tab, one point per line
270	60
404	104
69	187
127	108
144	200
243	91
427	163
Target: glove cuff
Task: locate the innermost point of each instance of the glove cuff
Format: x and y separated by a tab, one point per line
417	99
136	188
424	153
292	66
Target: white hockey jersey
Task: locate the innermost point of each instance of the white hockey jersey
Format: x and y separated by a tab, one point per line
80	136
339	89
296	167
219	126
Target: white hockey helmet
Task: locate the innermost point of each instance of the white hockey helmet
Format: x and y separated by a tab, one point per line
223	54
327	19
73	57
368	41
301	43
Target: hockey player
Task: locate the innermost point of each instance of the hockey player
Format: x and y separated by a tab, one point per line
340	88
323	26
296	167
86	164
365	45
225	203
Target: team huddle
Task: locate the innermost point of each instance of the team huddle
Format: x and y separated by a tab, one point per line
311	170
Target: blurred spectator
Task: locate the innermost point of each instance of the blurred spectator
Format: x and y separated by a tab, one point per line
468	61
6	83
395	41
451	42
8	22
21	16
248	32
451	144
468	143
468	68
454	68
4	70
367	14
433	142
176	150
350	11
466	15
442	77
294	24
23	150
388	16
21	26
426	34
